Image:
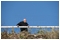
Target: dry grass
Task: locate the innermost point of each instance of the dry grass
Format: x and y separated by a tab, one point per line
42	34
53	34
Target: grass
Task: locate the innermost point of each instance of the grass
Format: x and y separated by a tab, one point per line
53	34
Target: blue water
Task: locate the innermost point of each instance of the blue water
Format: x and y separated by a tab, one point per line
31	30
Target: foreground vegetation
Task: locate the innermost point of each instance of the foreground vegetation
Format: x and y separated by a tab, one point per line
42	34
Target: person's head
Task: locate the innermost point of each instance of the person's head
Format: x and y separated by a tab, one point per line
24	20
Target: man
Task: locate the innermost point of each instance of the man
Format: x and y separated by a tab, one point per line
23	23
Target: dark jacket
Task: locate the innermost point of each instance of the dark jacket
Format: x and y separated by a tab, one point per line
22	23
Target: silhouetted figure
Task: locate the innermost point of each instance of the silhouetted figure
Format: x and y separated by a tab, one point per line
23	23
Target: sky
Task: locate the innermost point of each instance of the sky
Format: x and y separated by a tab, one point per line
37	13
